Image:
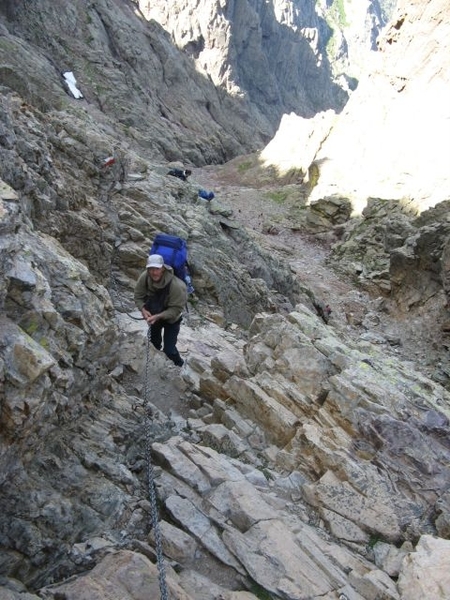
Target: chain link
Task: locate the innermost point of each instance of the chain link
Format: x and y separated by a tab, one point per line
151	479
118	294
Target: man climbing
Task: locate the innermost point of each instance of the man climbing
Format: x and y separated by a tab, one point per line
161	298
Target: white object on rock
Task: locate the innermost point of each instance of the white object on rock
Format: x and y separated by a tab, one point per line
72	84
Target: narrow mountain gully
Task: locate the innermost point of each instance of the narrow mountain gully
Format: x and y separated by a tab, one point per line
175	410
418	338
354	311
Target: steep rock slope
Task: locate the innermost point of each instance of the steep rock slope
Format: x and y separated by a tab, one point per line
70	229
129	72
271	53
355	28
393	139
385	160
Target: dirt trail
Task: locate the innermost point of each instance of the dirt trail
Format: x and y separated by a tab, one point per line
256	211
416	338
355	312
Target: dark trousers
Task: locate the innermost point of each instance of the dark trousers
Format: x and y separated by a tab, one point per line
171	331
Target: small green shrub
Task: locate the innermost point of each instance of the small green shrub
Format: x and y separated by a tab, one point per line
278	196
313	175
245	166
44	342
374	538
338	9
31	327
260	592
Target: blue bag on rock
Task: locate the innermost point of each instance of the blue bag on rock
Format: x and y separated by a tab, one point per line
205	194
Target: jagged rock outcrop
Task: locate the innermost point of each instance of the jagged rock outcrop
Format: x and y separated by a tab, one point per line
394	249
271	53
355	29
132	79
391	141
384	160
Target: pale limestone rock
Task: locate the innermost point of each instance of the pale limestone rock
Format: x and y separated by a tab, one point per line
6	193
232	419
425	572
297	141
124	574
211	463
199	525
374	584
203	588
344	529
297	575
370	507
300	362
227	363
389	558
279	422
292	483
176	543
22	276
289	391
241	503
28	358
220	438
362	581
210	387
28	365
182	466
247	507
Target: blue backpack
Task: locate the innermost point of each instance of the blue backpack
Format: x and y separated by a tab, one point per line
205	194
175	253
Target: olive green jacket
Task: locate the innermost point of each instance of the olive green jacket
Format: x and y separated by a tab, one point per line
175	299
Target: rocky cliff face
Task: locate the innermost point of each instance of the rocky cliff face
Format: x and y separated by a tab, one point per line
392	141
290	458
283	56
384	159
131	77
354	29
270	53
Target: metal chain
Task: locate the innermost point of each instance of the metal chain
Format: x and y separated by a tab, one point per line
118	294
151	479
113	170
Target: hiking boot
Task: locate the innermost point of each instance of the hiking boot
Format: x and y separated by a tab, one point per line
176	359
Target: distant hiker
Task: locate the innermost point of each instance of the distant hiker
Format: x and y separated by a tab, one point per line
323	310
161	298
180	173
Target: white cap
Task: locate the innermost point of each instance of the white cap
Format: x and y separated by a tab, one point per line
156	261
